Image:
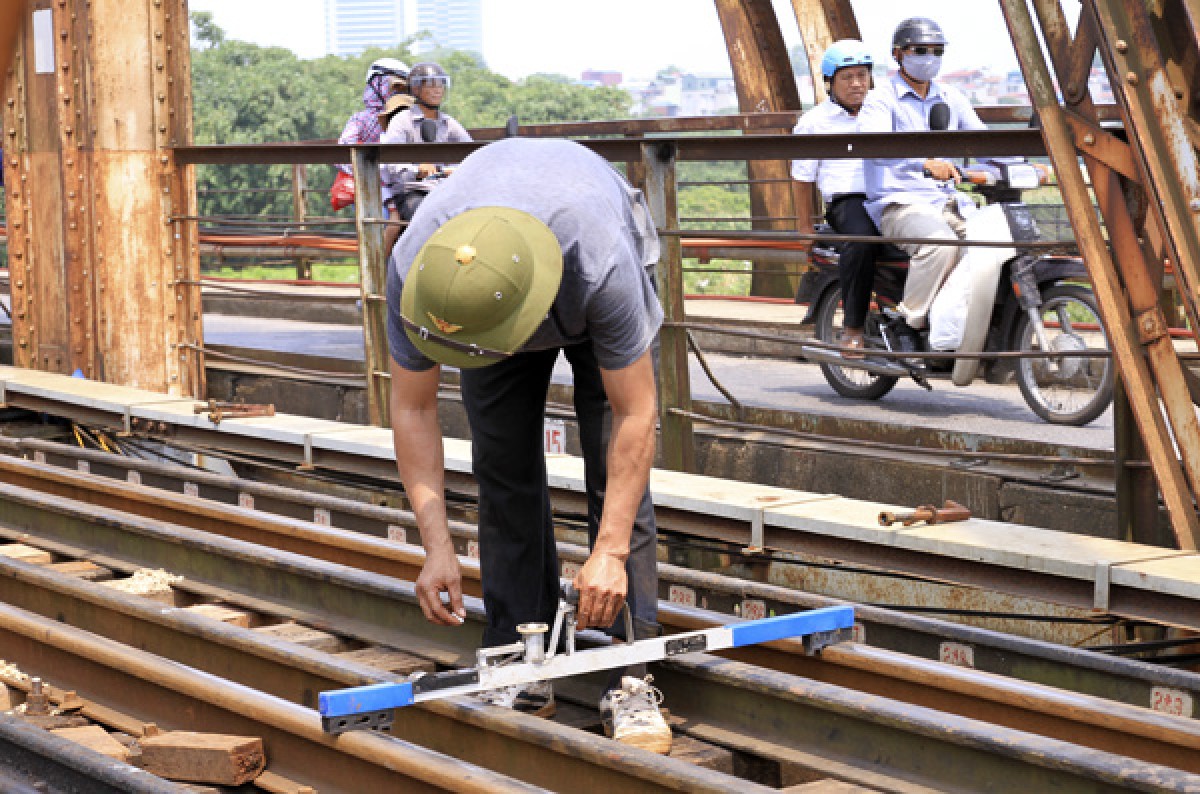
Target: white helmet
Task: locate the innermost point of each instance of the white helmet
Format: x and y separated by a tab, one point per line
392	67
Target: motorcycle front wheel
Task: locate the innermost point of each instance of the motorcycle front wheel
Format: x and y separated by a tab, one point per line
1067	390
849	381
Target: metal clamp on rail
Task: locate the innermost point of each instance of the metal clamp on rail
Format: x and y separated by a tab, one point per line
531	660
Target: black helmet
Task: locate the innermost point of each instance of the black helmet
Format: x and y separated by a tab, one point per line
917	30
424	74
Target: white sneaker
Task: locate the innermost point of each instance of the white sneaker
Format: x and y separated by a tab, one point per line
536	699
631	715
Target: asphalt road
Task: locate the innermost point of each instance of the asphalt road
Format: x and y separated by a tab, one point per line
790	385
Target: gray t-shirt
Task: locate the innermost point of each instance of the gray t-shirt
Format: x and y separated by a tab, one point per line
607	236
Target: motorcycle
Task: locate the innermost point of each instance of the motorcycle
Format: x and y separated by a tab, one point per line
1011	301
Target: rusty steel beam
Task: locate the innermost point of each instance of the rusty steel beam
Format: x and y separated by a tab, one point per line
657	162
965	143
762	72
821	23
1122	278
102	284
372	266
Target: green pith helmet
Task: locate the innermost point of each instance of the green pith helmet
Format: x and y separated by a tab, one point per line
480	286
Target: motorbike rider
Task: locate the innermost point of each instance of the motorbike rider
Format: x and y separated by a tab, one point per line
846	67
428	83
387	81
916	197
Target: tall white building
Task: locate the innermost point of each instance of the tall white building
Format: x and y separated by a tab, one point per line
352	26
452	24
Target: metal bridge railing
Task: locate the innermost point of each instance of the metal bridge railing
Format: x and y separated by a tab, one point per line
653	164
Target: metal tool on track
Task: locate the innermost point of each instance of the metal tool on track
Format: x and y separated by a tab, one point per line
951	511
532	660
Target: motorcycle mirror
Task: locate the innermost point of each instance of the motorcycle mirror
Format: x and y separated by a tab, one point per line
428	130
939	117
511	126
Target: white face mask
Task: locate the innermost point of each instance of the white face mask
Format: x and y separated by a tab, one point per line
922	68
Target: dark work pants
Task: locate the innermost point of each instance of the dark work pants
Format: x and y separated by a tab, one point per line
505	405
856	269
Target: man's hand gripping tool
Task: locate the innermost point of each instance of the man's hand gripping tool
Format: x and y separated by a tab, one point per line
531	660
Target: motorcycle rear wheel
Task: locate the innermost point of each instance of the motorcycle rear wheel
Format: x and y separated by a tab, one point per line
848	381
1070	390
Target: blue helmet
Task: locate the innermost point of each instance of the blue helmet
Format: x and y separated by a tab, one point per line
846	52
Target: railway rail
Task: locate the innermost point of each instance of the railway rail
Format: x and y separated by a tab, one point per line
282	515
779	709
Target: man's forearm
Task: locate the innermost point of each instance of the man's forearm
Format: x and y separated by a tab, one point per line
630	458
420	455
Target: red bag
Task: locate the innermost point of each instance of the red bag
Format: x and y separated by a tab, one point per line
341	195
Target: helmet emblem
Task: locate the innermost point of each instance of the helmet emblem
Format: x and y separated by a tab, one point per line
442	325
465	254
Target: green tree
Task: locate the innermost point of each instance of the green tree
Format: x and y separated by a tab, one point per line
244	93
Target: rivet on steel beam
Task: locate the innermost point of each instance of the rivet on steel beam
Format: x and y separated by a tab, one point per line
1122	45
162	97
11	101
158	34
1089	139
159	66
1131	78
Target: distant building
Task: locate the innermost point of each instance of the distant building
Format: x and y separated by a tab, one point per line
597	77
352	26
452	25
675	93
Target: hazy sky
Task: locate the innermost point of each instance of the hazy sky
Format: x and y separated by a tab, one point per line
636	37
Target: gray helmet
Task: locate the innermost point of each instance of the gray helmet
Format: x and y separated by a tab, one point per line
428	73
917	30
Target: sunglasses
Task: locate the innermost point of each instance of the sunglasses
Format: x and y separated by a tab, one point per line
921	49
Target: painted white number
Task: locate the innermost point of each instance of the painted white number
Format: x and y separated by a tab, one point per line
556	437
957	654
1171	701
684	596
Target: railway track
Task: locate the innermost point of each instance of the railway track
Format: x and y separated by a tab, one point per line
786	716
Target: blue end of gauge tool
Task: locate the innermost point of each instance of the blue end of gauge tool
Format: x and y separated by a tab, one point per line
362	699
796	624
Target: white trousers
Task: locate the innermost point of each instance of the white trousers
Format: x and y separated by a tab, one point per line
929	263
